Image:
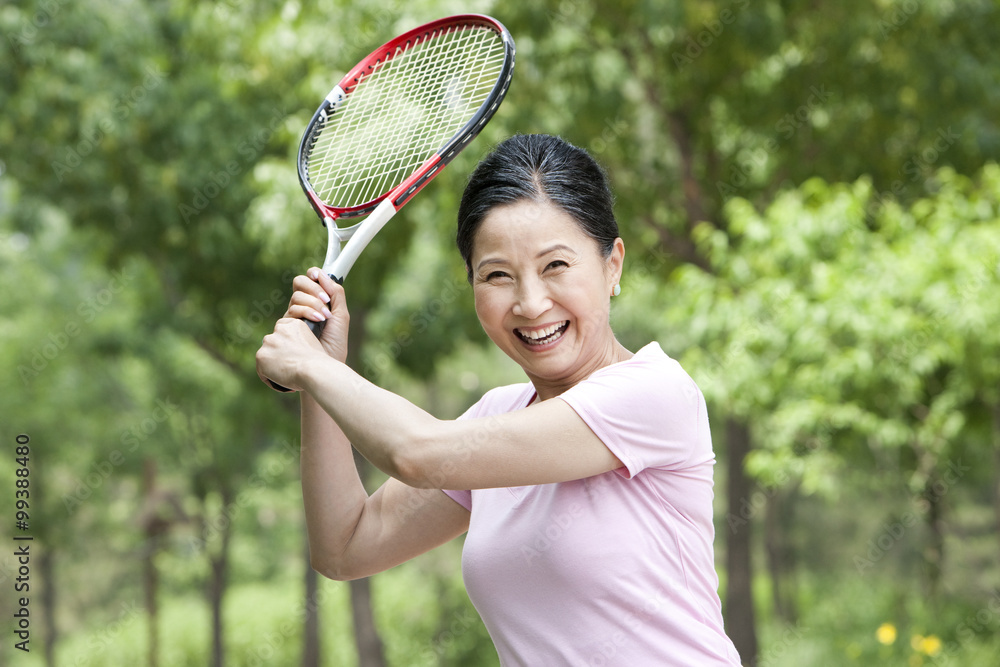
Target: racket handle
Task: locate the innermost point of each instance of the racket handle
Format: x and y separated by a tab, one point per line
316	328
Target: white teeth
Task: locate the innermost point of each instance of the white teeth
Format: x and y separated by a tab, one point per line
539	335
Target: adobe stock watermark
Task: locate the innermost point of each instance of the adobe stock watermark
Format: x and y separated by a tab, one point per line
613	129
249	148
267	310
983	622
890	533
109	634
35	23
748	332
264	654
941	314
897	16
438	479
697	44
87	311
461	623
786	127
419	321
756	503
121	108
255	483
553	531
130	440
570	13
772	657
915	166
372	29
645	612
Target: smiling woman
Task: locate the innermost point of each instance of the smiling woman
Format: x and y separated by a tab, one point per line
586	492
542	291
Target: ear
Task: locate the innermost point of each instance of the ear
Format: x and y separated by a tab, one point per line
615	263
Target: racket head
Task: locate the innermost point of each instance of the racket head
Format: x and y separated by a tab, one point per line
403	113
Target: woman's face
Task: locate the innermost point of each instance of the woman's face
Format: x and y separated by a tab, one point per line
542	291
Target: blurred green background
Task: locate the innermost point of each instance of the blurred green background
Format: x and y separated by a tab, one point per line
810	199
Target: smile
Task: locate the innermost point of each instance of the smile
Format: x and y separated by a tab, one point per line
544	335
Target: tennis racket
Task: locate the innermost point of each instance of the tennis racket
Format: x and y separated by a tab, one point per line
393	122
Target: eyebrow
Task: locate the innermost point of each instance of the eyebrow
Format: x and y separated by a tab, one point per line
550	249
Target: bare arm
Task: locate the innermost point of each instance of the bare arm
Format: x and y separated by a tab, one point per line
547	442
353	535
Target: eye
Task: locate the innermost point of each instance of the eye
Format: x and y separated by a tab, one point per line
495	275
556	264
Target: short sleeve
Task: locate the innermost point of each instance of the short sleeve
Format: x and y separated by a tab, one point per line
463	498
647	411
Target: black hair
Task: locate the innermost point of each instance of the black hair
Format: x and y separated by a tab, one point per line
539	167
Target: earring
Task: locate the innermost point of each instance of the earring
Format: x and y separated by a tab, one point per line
616	290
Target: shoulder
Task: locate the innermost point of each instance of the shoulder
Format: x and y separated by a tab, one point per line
646	409
651	375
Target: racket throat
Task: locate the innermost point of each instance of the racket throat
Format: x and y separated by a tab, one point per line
334	240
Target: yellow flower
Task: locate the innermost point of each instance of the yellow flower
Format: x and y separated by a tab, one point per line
886	633
930	645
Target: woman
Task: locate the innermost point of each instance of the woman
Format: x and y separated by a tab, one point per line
586	493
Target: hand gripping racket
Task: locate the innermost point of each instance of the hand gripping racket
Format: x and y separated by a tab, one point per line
394	121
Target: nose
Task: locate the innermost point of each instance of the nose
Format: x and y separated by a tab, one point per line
532	299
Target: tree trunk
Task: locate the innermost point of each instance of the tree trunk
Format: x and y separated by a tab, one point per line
217	585
45	575
996	469
150	582
46	570
310	631
740	623
150	579
934	549
779	561
366	637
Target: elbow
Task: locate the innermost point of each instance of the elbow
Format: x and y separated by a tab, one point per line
410	469
333	569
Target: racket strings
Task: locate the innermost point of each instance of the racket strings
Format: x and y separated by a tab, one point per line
399	157
435	125
402	112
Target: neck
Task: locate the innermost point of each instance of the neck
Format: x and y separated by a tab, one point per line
613	353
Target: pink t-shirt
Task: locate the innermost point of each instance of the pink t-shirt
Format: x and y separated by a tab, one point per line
616	569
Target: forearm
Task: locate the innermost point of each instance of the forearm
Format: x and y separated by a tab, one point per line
332	492
382	426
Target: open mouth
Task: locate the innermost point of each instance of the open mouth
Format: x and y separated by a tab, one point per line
545	335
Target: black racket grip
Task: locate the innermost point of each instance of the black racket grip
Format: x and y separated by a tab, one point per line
316	328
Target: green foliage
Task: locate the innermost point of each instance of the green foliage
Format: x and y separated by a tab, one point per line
846	338
811	208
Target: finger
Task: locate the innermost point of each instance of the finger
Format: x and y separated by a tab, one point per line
308	285
330	286
306	306
308	313
308	301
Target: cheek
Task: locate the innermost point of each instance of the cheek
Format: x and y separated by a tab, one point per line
489	308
